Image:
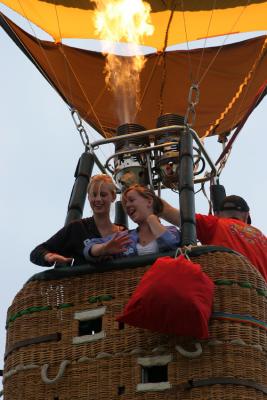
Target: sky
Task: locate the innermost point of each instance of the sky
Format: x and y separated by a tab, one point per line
40	148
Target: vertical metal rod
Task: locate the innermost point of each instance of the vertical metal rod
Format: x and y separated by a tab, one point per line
217	194
78	195
148	162
186	189
121	217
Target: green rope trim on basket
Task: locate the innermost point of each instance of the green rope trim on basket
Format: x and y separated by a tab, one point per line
33	309
242	284
29	310
65	305
104	297
262	292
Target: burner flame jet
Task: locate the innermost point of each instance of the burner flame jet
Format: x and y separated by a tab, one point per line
123	21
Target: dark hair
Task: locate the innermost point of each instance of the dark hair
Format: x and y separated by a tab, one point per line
147	193
234	203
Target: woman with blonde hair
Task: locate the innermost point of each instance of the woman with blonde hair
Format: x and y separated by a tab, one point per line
143	207
67	244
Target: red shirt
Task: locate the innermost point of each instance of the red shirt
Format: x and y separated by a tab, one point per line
236	235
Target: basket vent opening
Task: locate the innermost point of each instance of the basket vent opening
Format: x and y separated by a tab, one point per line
120	325
155	374
90	327
121	390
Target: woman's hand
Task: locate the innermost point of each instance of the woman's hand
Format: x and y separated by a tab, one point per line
117	244
52	258
155	225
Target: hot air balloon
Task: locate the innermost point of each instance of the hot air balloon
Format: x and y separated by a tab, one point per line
62	333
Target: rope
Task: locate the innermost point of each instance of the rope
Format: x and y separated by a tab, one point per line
147	85
183	251
224	41
163	55
198	81
67	63
60	373
84	93
241	88
228	148
223	162
205	41
190	354
44	54
66	70
59	30
206	196
187	44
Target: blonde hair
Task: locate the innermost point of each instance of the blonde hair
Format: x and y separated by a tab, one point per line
101	179
146	193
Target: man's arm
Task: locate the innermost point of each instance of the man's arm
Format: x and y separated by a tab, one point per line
170	214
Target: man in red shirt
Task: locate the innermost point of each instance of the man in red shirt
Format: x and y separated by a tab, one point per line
229	228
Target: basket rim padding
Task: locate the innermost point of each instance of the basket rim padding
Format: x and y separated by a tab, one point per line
60	272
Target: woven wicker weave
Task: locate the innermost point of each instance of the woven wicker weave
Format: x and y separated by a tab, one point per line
108	368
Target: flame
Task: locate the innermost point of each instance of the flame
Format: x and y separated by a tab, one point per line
123	21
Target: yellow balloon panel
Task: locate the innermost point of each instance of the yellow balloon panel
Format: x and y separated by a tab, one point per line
74	19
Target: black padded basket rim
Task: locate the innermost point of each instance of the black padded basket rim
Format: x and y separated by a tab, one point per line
120	263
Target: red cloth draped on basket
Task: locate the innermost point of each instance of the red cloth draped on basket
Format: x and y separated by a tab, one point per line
174	297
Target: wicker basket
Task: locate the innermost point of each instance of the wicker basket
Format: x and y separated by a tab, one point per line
48	357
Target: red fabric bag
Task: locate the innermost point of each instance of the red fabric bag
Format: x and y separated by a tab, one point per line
174	297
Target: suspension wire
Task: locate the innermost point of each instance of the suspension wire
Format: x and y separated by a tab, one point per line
59	30
195	86
187	45
74	113
223	162
194	89
147	85
80	127
222	158
45	56
77	121
243	85
193	100
206	196
214	58
163	55
66	62
65	66
249	82
84	93
205	41
223	43
66	59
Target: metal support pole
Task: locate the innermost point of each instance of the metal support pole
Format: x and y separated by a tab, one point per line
217	194
186	189
121	217
78	195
